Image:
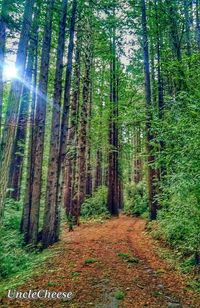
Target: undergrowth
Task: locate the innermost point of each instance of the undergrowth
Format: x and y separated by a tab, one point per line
135	199
96	206
16	262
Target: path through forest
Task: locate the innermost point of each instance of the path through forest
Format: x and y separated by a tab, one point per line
98	260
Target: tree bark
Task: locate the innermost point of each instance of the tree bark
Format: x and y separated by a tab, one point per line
9	131
65	112
30	170
50	232
88	188
137	158
70	167
3	22
20	139
113	172
81	156
152	174
197	24
187	26
39	130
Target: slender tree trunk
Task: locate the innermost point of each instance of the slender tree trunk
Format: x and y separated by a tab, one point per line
113	176
187	26
19	144
70	166
81	157
3	21
65	113
161	106
175	40
98	172
197	24
30	170
39	130
137	158
88	189
99	155
9	131
152	174
20	139
50	232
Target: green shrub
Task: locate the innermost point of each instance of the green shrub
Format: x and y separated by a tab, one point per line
14	259
179	223
96	205
135	199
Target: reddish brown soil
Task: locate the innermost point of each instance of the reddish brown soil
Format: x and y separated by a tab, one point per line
149	283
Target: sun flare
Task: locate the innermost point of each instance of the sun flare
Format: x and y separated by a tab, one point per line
10	71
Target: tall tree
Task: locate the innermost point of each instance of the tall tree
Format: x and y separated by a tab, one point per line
187	25
197	24
51	216
113	172
9	131
66	106
70	166
82	138
152	174
3	24
88	186
33	191
21	134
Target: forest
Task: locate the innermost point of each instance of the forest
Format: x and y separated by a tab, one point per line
99	130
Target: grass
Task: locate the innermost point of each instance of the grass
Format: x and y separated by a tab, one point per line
17	264
90	261
33	266
119	295
128	258
75	274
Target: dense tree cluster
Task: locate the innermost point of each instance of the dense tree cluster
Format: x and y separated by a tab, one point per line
106	94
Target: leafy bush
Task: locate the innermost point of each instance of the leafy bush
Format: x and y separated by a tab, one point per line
14	259
135	199
180	224
96	205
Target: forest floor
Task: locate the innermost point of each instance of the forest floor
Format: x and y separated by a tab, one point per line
110	264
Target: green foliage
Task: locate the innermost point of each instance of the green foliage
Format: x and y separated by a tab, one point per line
14	259
135	199
90	261
119	295
128	258
123	255
180	223
96	205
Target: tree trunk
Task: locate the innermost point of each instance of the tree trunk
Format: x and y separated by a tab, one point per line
9	131
98	173
20	139
30	170
65	112
50	232
187	26
197	24
70	166
3	21
152	174
137	158
113	176
39	130
88	189
99	155
81	156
